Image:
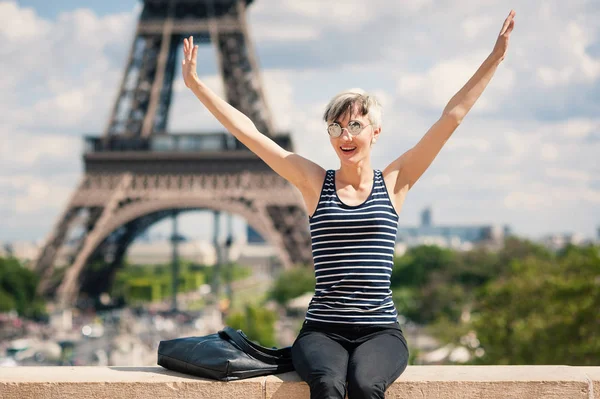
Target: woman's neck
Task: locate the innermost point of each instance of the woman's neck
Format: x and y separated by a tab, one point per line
357	177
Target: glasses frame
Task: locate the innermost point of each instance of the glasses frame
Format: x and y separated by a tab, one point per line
334	124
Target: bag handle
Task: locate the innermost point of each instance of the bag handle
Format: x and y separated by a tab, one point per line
257	351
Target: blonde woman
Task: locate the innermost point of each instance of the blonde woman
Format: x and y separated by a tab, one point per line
351	341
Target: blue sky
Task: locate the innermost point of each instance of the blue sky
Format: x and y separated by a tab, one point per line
51	9
525	156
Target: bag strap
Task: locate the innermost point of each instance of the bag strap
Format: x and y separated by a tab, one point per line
261	353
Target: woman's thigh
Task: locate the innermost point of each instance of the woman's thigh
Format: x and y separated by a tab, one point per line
380	360
316	355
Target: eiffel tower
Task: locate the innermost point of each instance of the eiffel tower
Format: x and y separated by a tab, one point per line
137	174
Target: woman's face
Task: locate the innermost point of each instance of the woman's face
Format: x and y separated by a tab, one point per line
358	148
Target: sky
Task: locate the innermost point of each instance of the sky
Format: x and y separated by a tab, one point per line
526	156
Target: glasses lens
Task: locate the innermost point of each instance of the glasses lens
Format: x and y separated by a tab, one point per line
334	130
354	127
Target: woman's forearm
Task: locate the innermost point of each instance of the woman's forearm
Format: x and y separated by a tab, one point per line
232	119
463	101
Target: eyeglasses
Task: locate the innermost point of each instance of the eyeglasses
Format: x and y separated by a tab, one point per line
354	128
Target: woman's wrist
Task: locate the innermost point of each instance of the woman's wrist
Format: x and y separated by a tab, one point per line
193	82
196	85
496	56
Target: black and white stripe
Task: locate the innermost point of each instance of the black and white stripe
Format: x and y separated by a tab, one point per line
353	252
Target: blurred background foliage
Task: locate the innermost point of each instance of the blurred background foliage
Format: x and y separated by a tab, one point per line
257	322
291	284
17	289
522	304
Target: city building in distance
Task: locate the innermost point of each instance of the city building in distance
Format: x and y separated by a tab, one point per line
458	237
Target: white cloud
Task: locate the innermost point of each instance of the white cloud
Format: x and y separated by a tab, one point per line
20	23
436	86
59	77
547	198
34	194
549	152
460	143
284	33
441	180
519	145
579	128
349	16
474	26
527	200
568	61
289	21
569	174
279	95
25	149
60	71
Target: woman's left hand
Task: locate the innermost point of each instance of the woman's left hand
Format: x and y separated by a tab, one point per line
502	43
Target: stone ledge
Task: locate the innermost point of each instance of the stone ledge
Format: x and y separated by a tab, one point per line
434	382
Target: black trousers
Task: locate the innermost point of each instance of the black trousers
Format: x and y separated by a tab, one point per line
368	357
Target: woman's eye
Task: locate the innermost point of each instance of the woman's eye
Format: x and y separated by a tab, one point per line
354	125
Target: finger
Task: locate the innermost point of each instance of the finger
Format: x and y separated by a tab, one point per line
191	42
504	26
194	53
507	21
511	26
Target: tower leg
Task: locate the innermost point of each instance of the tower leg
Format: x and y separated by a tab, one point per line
67	292
44	264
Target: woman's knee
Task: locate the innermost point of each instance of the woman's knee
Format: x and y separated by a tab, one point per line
327	386
359	388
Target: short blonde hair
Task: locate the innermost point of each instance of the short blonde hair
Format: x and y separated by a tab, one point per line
354	101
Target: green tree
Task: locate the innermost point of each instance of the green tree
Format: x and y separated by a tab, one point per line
422	283
257	322
431	283
18	289
291	284
450	289
544	311
230	271
413	269
516	248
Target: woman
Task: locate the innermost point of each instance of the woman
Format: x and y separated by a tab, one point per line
351	334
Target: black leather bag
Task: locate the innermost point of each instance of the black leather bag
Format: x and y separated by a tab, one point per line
226	356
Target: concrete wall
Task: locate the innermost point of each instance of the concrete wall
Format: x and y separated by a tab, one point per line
432	382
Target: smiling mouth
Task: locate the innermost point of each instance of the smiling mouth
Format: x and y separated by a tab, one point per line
347	150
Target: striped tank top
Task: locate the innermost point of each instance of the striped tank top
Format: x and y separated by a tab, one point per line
353	252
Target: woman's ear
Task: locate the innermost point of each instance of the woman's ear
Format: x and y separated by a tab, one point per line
375	135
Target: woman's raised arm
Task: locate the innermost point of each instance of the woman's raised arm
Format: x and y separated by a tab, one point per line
296	169
414	162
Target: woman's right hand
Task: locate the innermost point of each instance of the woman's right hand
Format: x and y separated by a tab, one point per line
188	64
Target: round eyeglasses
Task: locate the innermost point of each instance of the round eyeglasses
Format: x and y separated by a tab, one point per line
354	128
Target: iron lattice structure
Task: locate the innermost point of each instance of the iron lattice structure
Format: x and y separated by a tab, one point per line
136	174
